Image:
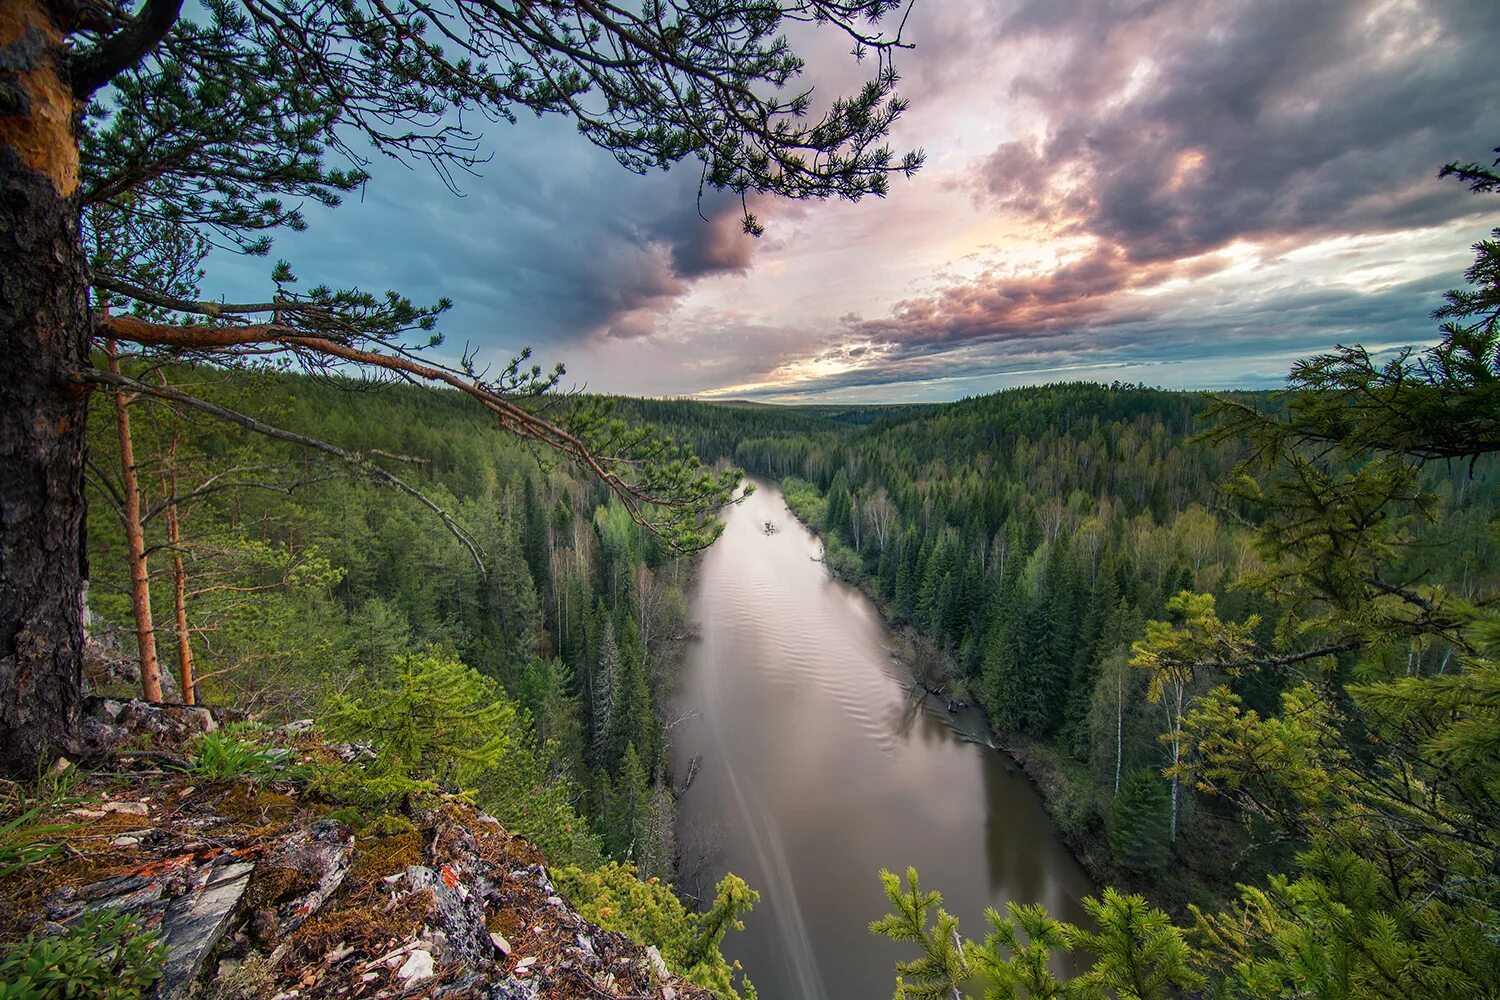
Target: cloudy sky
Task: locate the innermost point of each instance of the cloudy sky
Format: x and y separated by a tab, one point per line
1188	193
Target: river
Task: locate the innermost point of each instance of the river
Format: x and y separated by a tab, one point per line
820	765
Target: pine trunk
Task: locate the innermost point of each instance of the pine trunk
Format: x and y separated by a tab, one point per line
44	338
135	542
179	576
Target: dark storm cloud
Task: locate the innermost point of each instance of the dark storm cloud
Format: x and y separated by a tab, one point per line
550	243
1174	128
994	307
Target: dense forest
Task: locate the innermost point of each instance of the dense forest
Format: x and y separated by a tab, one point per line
1025	538
1044	550
300	581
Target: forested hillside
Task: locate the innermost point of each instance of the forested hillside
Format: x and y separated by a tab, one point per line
507	608
303	580
1025	539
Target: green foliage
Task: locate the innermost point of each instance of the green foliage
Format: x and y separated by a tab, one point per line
439	727
1284	763
919	919
105	955
1138	953
443	728
1015	957
26	838
1140	824
805	501
649	913
224	757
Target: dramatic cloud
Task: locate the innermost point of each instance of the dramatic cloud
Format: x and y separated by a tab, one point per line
1184	192
1172	132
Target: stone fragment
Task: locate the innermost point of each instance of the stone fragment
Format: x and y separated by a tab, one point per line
321	856
194	923
418	966
457	914
658	964
515	989
498	940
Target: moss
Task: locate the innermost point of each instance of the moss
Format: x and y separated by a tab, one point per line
377	857
390	825
246	803
270	883
364	919
508	923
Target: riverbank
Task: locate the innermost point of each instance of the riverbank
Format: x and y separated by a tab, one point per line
1070	797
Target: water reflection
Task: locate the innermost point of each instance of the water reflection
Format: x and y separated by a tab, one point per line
821	763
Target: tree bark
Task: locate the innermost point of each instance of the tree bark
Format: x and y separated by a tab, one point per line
135	540
44	336
179	577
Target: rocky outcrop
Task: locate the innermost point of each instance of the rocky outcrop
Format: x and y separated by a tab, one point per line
262	891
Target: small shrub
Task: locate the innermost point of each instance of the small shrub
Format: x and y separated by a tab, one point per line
649	912
224	757
105	955
439	727
23	836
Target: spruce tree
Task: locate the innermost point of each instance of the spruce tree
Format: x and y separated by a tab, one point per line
1139	823
603	694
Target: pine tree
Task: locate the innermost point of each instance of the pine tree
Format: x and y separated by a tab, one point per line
918	918
1139	824
628	821
604	691
838	517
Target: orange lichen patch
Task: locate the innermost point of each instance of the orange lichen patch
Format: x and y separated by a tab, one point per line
167	866
44	136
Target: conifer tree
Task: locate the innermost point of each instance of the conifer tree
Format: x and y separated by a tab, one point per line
604	692
1139	823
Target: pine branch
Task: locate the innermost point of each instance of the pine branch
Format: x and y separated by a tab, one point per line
94	67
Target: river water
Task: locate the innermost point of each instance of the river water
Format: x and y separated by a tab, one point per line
819	765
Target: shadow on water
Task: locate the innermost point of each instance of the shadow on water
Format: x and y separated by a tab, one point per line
821	763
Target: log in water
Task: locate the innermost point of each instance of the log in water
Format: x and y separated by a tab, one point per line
819	765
